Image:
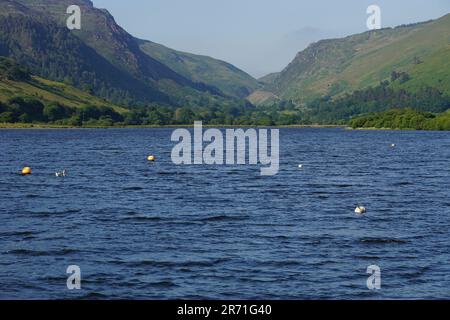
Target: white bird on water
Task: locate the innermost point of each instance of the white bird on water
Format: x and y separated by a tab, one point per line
360	210
61	173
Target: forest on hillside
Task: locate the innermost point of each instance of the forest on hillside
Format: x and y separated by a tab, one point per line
384	106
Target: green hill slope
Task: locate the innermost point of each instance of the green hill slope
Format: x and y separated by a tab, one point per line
333	67
27	98
17	81
433	71
48	92
226	77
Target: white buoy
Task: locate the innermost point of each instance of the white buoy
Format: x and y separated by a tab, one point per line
393	145
300	166
360	210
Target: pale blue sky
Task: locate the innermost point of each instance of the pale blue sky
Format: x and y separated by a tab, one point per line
258	36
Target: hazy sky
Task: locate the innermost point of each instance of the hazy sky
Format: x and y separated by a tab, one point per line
258	36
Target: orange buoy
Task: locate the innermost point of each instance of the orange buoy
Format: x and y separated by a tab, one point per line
151	158
26	171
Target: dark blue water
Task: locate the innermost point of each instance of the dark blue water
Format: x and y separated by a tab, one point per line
155	230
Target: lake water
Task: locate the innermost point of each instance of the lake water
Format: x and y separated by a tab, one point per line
157	231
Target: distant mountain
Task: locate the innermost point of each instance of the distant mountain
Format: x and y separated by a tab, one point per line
269	78
226	77
261	97
337	66
100	32
101	56
54	53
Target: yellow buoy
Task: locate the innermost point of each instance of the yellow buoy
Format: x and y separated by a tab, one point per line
151	158
26	171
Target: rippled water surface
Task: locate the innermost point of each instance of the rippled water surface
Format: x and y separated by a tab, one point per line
157	231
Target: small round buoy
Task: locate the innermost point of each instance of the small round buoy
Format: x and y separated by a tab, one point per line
151	158
26	171
393	145
300	166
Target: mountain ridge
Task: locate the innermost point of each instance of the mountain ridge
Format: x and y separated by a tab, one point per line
221	74
120	47
144	79
336	66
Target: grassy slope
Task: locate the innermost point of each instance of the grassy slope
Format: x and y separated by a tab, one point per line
356	62
434	71
260	97
424	42
50	91
220	74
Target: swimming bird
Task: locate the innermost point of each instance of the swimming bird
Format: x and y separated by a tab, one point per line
360	210
61	173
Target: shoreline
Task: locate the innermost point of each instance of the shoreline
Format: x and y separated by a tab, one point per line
30	126
5	126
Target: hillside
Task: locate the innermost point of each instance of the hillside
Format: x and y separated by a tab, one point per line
337	66
26	98
52	92
100	32
46	91
261	97
54	53
229	79
30	100
101	56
